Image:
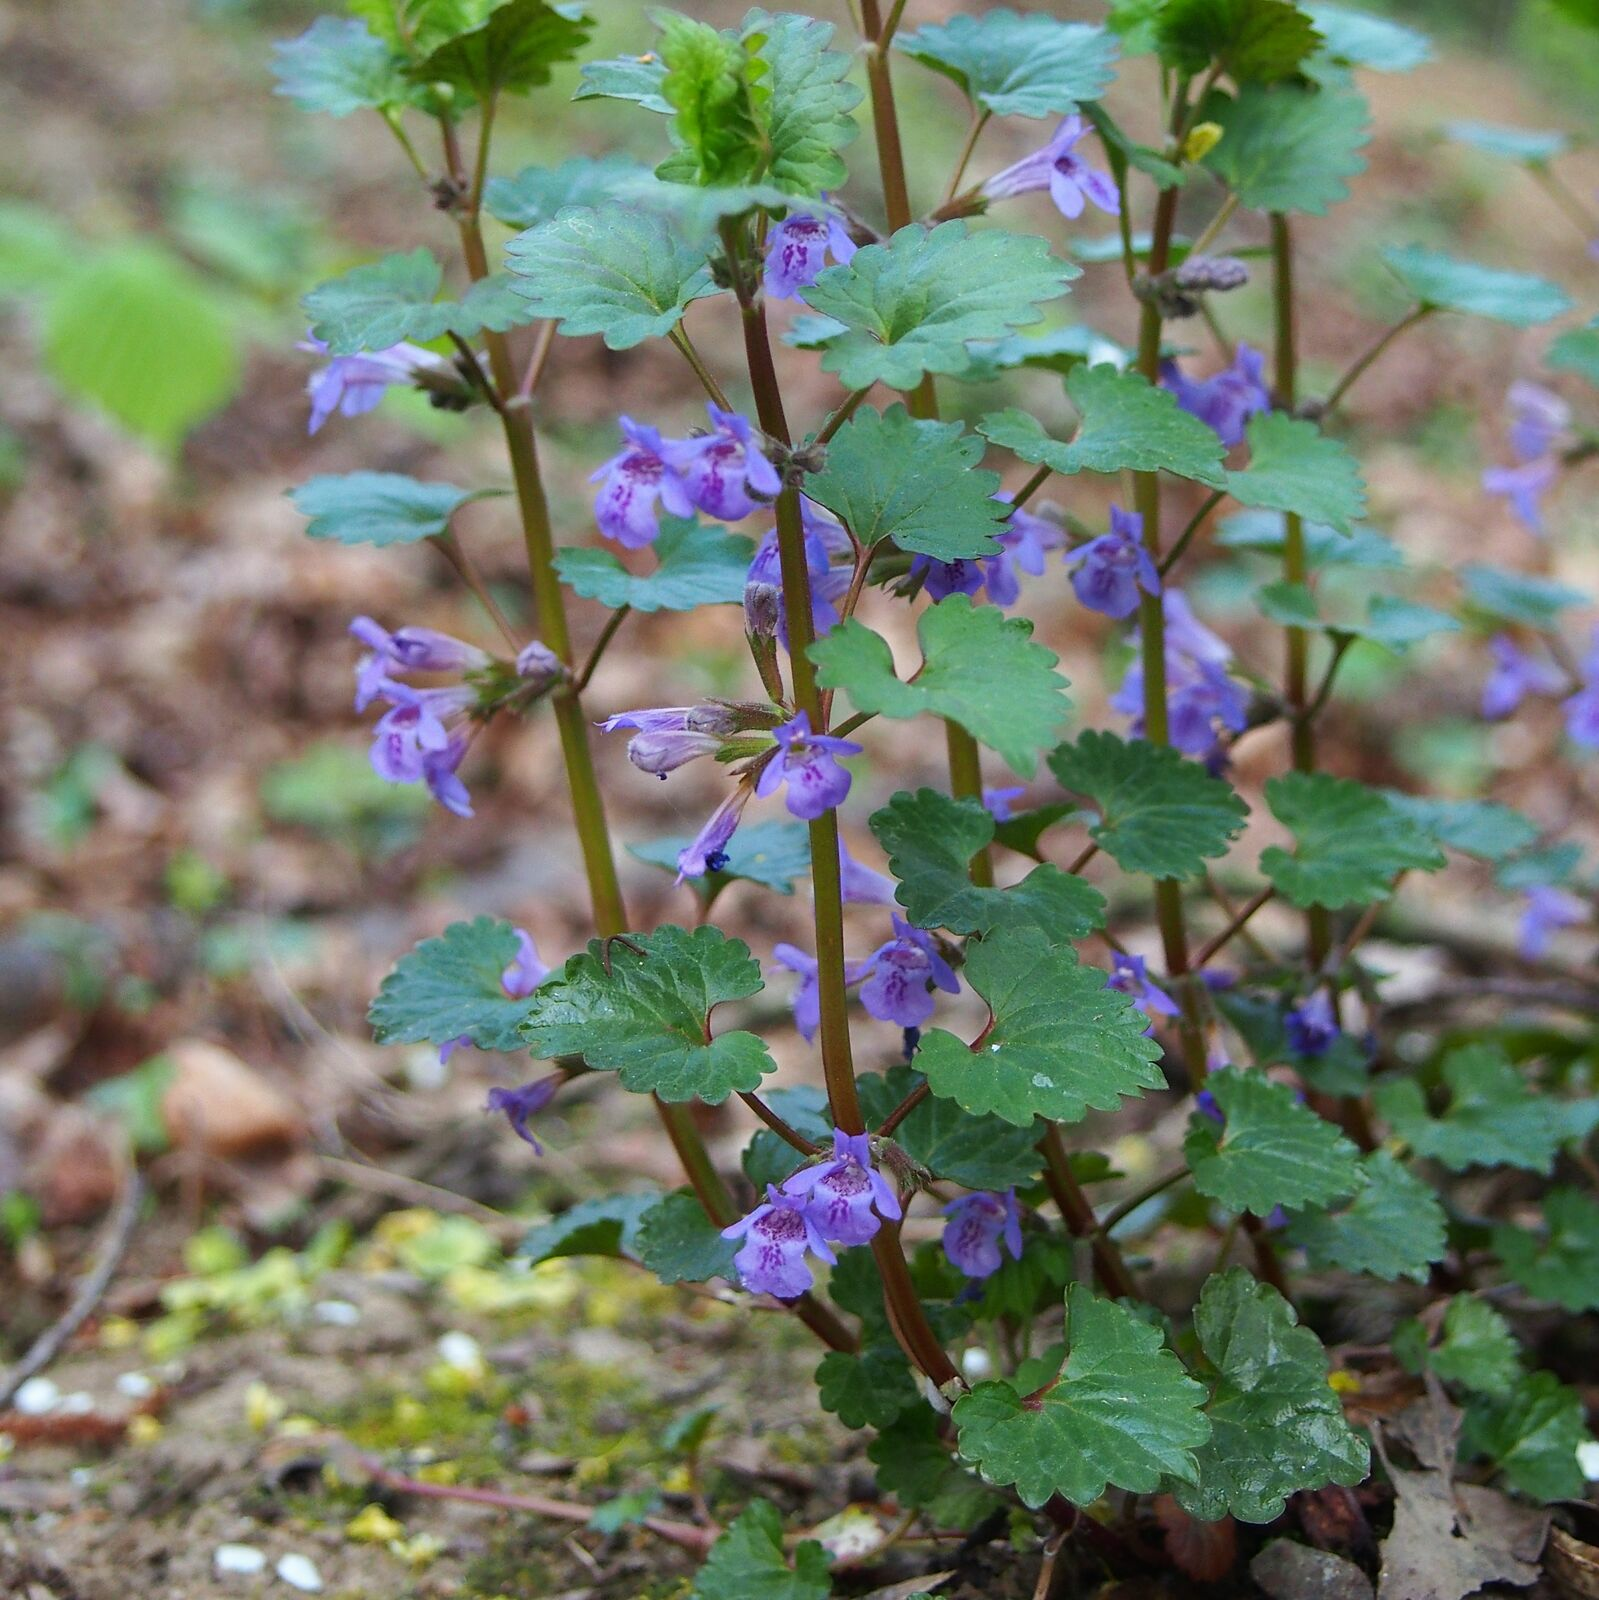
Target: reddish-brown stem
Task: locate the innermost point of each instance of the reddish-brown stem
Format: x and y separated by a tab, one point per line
1068	1195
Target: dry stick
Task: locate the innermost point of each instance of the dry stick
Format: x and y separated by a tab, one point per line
113	1247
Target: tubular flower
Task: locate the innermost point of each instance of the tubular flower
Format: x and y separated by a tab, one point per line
897	973
777	1236
1108	572
638	483
1057	167
846	1197
977	1225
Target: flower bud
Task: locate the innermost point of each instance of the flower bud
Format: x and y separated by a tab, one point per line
539	664
1202	138
1215	273
665	751
762	607
711	716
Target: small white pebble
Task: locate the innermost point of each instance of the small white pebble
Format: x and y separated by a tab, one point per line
81	1477
336	1313
80	1403
299	1572
36	1397
1588	1458
135	1385
461	1351
244	1559
976	1363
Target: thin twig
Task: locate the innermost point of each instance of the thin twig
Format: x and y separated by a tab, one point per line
1213	227
778	1126
973	134
113	1247
846	409
1030	488
903	1109
685	345
1124	1209
401	1186
542	345
450	547
607	633
1376	348
1195	522
1225	937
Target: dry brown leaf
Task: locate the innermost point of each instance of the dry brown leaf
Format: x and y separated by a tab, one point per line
1447	1545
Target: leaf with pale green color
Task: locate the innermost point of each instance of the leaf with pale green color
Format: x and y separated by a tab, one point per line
1122	1412
1251	40
1017	66
1288	148
1560	1262
536	194
808	100
1393	623
679	1243
1533	147
697	564
1555	863
1061	1042
979	668
868	1390
1276	1426
1358	39
380	508
1531	1435
1478	1349
1160	813
889	475
635	78
172	361
1577	350
608	1226
1295	467
708	84
648	1018
975	1152
772	854
1124	421
1481	828
504	46
770	1158
338	65
1122	152
449	988
931	838
748	1561
1518	596
1350	841
1494	1117
908	306
1444	283
1272	1150
386	302
1263	531
1058	350
625	273
1392	1227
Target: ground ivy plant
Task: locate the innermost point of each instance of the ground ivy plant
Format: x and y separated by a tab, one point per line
925	1202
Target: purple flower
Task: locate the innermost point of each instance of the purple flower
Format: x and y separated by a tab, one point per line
1024	540
724	470
526	972
897	974
1312	1025
1226	400
520	1105
421	738
941	579
407	650
1582	708
668	737
997	802
353	385
1058	168
841	1193
977	1224
826	544
639	482
1199	694
807	763
1538	419
862	886
1548	910
1108	572
1522	486
796	252
1187	636
1516	675
1205	1104
707	850
1129	975
777	1236
539	664
807	1001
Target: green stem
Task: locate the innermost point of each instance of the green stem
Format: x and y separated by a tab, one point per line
1375	349
680	338
1586	223
1185	538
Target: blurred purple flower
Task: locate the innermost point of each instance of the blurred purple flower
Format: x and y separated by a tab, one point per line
353	385
1548	910
1582	708
997	802
521	1105
1129	975
1108	572
862	885
1523	486
827	544
1312	1025
1538	419
1515	675
1057	167
807	763
977	1224
707	850
797	250
1226	400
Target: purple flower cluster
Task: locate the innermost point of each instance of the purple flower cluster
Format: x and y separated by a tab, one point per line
353	385
1226	400
840	1201
1582	708
1058	168
1025	542
1538	422
1108	572
1201	699
668	737
829	555
797	249
893	979
978	1224
722	473
1516	675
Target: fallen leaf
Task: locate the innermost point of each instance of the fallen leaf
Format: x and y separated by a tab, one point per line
219	1103
1203	1551
1444	1546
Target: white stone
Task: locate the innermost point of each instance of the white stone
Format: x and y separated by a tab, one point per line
241	1559
1588	1459
36	1397
461	1351
135	1385
976	1364
299	1572
337	1313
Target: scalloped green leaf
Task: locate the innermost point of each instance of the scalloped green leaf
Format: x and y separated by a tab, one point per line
1060	1043
679	1243
1577	350
889	475
1533	147
697	564
607	1226
1122	1412
1124	422
1350	841
1521	597
634	78
807	115
979	668
1445	283
1477	1349
503	46
380	508
1014	65
1531	1435
1248	39
975	1152
1357	39
1560	1261
1288	148
1481	828
907	307
1295	467
449	987
536	194
338	65
868	1390
931	838
648	1017
1271	1150
1392	1227
748	1561
1276	1426
625	273
1160	813
386	302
